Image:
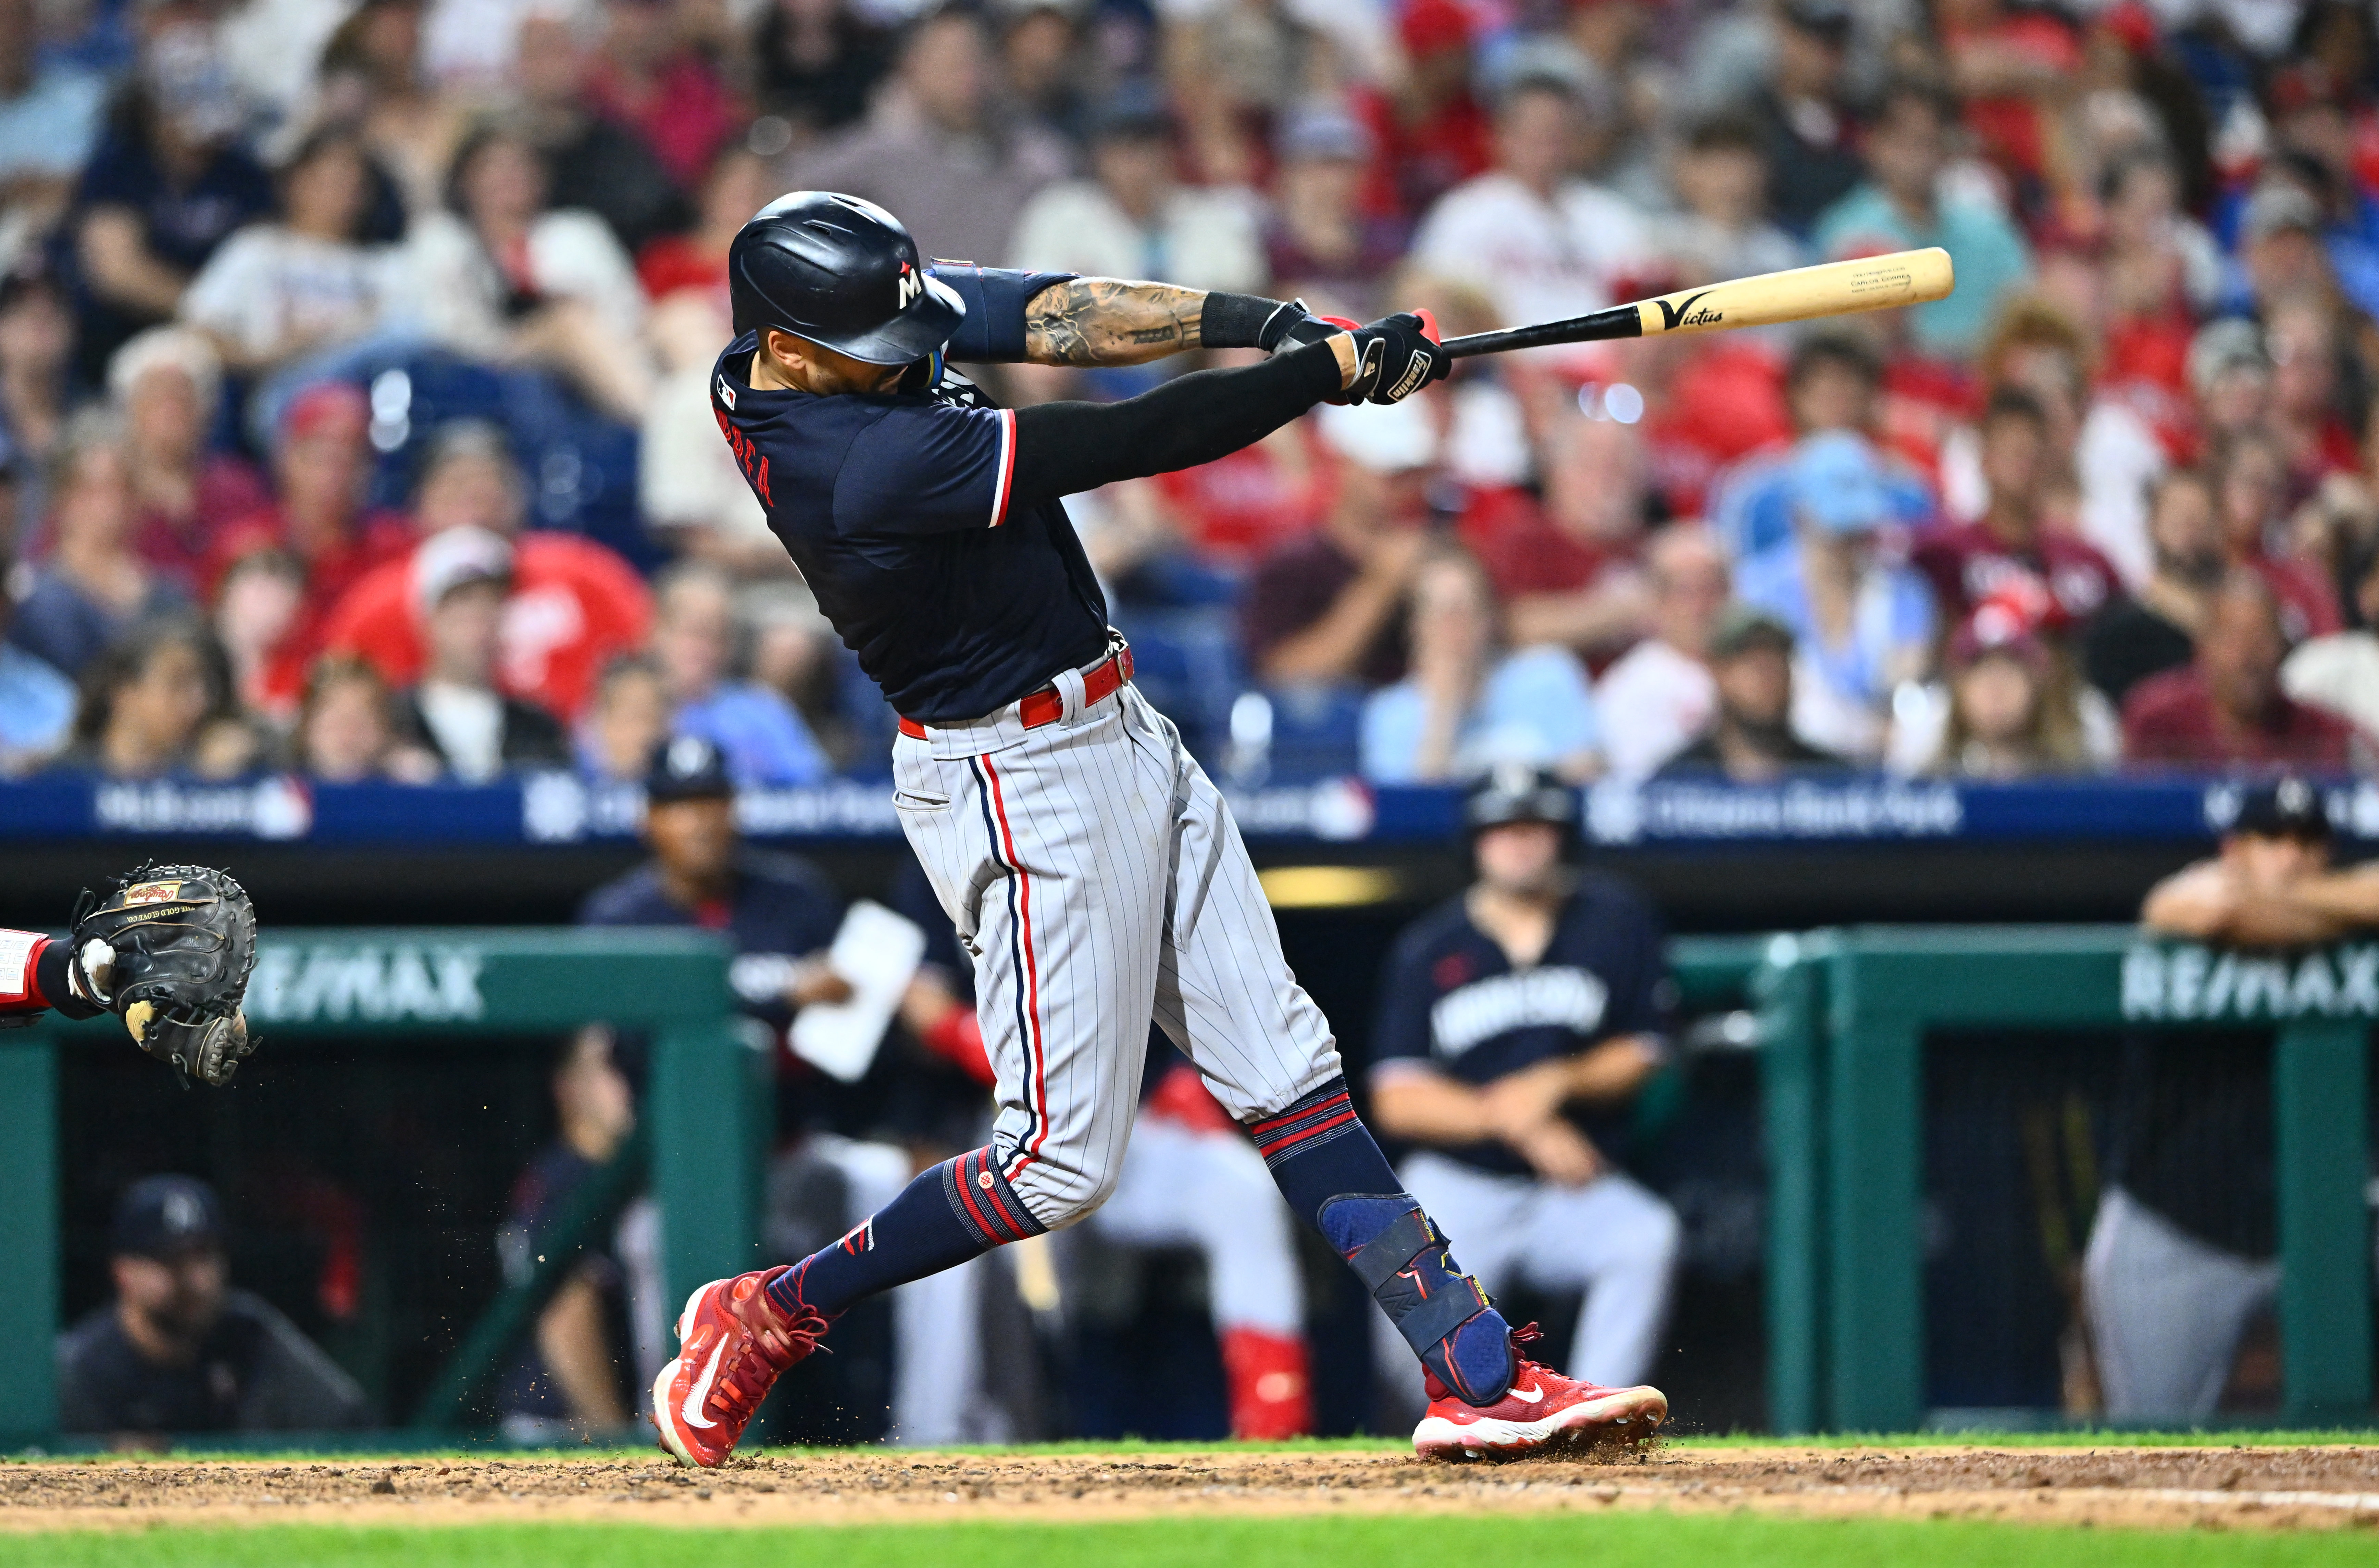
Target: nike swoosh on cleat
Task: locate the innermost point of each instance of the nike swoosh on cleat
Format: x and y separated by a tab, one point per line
1534	1396
692	1409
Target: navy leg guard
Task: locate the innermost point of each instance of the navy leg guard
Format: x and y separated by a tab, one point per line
1440	1312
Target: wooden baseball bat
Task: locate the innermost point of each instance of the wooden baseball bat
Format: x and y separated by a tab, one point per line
1836	288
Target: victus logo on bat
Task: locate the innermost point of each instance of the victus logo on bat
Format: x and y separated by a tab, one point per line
1683	313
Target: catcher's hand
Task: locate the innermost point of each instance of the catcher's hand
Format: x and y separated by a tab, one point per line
169	951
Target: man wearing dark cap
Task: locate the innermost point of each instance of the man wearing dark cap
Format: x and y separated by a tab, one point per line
780	910
2182	1255
1751	740
178	1350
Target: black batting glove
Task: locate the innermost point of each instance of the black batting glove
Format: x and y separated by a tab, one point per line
1396	357
1293	326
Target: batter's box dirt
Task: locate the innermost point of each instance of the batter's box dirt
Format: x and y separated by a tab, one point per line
2224	1487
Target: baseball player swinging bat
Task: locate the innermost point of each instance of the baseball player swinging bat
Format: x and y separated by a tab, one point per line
1836	288
1085	859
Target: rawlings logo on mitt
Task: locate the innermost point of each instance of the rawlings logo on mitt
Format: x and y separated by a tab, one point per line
170	951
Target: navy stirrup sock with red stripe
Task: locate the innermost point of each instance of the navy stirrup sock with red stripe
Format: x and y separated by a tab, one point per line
1326	1164
959	1210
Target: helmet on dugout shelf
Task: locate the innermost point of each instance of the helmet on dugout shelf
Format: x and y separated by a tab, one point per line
842	272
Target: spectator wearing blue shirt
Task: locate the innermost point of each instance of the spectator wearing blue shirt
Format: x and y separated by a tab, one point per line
37	704
88	584
1863	622
49	117
1831	383
1467	705
1902	206
694	642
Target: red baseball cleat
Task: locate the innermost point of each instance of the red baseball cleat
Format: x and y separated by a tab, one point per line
733	1341
1544	1412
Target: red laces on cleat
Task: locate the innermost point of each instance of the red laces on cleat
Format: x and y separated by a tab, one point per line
758	1357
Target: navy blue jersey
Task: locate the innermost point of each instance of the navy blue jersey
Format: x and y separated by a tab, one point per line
781	908
1451	999
957	597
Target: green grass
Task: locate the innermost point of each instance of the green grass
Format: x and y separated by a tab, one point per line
1599	1540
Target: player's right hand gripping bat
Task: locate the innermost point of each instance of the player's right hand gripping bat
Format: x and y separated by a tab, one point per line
1837	288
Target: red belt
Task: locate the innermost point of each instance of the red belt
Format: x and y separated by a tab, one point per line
1045	706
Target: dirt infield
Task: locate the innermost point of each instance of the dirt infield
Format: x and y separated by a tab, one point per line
2220	1487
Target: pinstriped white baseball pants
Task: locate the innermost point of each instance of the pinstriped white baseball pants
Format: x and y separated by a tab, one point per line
1095	874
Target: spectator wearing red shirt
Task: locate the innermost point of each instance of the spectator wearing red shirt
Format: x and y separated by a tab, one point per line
2009	67
2308	366
2161	270
652	77
167	381
1238	509
321	466
1328	608
2226	707
2011	544
1565	567
1433	134
2251	485
573	606
738	184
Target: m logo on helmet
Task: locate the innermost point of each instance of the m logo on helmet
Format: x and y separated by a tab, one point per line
909	284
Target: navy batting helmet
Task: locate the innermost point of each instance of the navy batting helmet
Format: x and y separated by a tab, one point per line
1517	792
839	271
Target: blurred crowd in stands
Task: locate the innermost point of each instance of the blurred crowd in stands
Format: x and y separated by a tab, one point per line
352	362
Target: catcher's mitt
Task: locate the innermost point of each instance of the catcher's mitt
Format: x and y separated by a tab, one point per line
170	951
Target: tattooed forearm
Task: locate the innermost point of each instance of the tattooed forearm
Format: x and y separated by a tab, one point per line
1104	322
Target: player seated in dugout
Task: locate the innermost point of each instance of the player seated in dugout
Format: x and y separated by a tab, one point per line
2181	1259
1516	1023
568	1380
177	1349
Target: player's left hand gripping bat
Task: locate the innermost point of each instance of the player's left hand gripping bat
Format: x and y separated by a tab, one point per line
1836	288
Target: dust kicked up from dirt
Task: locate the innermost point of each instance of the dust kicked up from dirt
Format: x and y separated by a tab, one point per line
2212	1487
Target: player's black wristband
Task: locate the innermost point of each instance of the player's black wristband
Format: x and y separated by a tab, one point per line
50	974
1237	320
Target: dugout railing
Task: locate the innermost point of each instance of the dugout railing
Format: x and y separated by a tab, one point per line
1845	1016
1842	1019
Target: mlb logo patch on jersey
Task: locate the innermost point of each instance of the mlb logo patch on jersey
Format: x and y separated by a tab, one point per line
726	392
152	892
